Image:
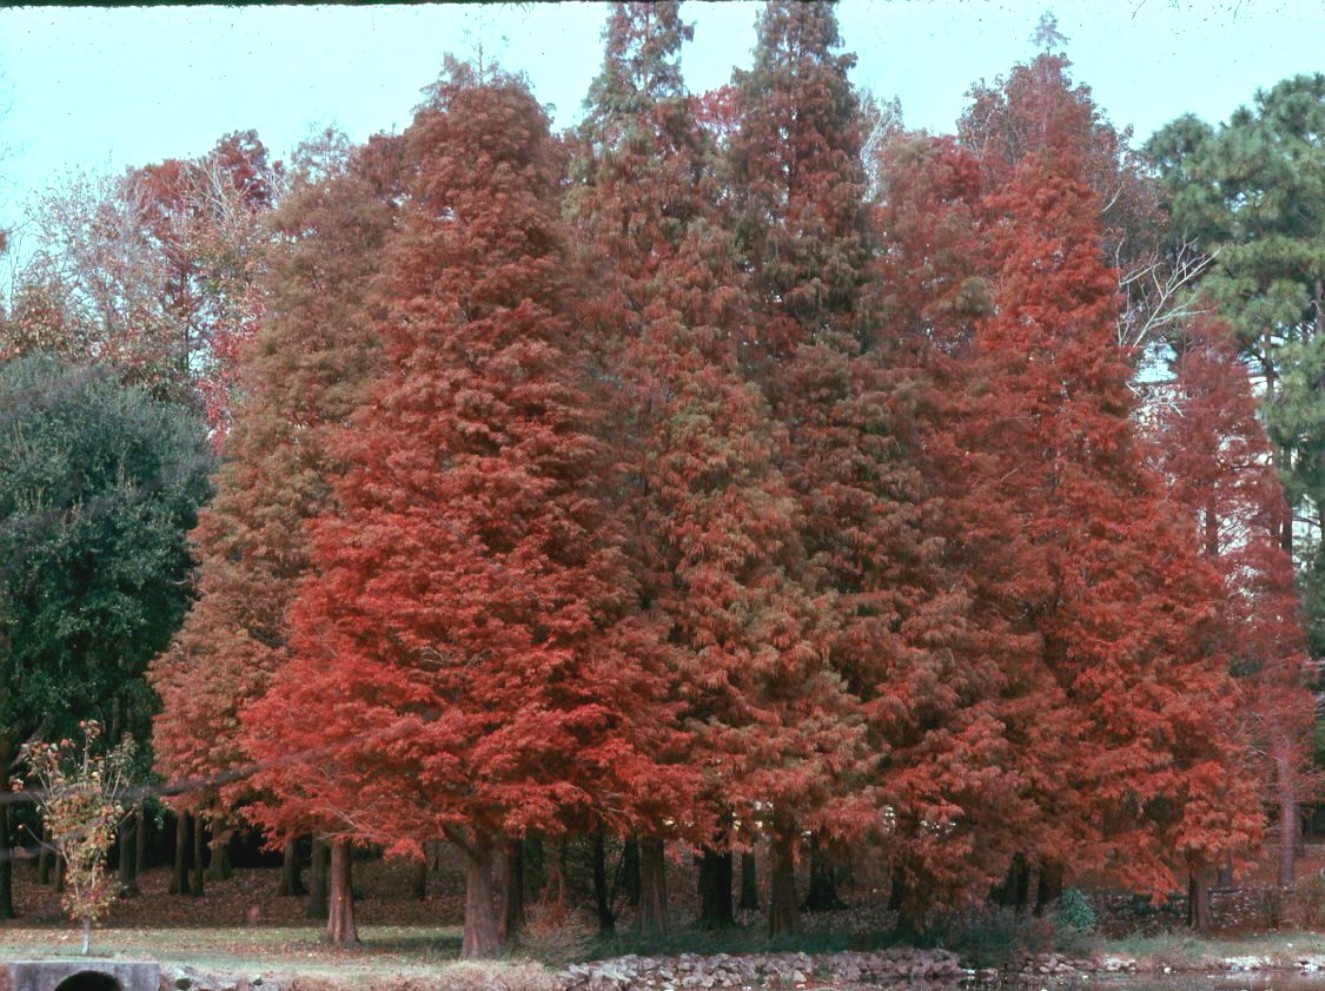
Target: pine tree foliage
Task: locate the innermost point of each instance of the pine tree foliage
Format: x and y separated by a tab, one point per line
1248	196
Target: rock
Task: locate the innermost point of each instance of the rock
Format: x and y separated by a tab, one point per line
1243	964
1113	963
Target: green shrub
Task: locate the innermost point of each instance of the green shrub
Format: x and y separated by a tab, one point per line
1075	912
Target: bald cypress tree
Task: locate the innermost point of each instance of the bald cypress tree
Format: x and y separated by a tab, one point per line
301	377
466	648
719	544
829	369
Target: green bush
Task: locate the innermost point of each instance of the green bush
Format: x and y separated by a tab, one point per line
1075	912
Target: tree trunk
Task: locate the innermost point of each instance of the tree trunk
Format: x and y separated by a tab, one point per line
783	908
220	868
601	893
482	935
140	843
630	871
6	843
418	880
1198	899
822	896
652	917
716	870
196	887
512	914
127	876
1050	888
1015	891
45	861
535	868
179	878
87	935
341	930
318	902
1286	797
749	882
1226	878
897	890
292	884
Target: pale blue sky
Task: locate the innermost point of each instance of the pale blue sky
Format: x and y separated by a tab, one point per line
108	88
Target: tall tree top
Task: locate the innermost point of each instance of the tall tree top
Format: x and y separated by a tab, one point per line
796	173
794	35
637	172
641	60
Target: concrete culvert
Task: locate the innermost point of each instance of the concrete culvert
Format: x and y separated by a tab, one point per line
84	975
89	980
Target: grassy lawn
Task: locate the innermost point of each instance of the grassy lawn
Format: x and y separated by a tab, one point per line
277	951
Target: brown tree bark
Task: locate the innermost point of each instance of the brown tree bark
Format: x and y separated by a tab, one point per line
630	871
6	842
196	874
127	872
653	917
318	901
45	862
1199	916
292	882
601	890
341	930
535	866
512	914
418	880
822	896
220	869
1015	891
749	882
140	843
179	878
482	936
716	871
783	908
1050	888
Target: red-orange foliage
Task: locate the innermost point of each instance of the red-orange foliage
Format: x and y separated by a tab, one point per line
716	536
301	375
1109	580
1219	464
959	704
199	225
804	228
464	653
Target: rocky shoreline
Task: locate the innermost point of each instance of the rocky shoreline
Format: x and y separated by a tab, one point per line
838	971
890	968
